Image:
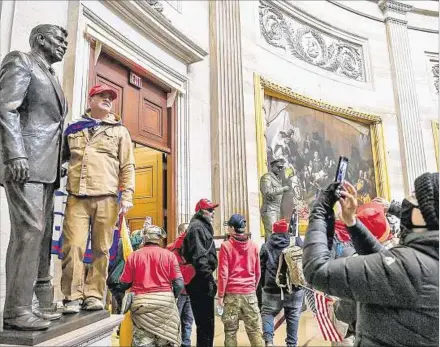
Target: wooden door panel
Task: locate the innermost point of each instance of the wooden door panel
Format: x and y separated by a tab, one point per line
148	195
151	120
146	187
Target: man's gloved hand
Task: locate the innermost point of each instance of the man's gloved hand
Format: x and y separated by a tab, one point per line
323	210
124	206
328	197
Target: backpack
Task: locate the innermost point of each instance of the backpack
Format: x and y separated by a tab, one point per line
187	270
292	257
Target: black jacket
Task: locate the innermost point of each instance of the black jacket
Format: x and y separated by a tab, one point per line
396	289
199	248
269	259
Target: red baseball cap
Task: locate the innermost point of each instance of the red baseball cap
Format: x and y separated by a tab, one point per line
372	215
98	89
205	204
280	227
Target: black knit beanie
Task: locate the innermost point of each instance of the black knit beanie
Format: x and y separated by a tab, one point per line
426	189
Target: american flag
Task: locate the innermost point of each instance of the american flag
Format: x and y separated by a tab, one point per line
318	304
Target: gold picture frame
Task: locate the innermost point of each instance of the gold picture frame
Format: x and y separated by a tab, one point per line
435	130
264	87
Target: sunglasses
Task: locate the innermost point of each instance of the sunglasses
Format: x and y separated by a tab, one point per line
210	210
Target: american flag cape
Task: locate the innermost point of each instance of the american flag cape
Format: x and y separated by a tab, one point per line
318	303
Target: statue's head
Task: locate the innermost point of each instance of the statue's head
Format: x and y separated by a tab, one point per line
277	165
49	41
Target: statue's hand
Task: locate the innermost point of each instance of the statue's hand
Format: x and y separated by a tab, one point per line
19	168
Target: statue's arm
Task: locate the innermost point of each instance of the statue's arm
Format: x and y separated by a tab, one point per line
267	188
15	77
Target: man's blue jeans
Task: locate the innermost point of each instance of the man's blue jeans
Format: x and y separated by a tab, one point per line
186	318
272	305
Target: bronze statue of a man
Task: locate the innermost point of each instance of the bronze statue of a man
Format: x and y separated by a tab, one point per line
32	112
272	189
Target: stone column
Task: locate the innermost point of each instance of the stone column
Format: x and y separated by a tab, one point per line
405	95
229	186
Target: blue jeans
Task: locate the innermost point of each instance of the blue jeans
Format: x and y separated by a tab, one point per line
186	318
272	305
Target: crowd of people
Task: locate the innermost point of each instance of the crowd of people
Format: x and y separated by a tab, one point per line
386	294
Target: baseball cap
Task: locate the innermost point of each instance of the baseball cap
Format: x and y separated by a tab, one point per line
237	222
205	204
280	227
98	89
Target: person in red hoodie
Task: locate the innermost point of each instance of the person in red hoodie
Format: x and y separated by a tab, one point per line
188	272
238	276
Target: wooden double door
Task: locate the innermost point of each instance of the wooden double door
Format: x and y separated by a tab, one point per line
144	112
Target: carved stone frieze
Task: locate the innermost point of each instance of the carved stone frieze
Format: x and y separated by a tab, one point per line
314	47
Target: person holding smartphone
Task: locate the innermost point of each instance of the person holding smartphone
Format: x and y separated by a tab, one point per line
396	289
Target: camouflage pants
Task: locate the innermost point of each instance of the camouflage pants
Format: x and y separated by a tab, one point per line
142	338
242	307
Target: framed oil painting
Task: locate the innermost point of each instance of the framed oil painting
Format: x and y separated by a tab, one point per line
310	136
435	130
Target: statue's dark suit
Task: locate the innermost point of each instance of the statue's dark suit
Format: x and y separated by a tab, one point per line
32	111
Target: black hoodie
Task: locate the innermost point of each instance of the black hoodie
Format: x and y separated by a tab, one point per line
199	248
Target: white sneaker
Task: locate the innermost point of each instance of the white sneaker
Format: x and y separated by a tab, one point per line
70	306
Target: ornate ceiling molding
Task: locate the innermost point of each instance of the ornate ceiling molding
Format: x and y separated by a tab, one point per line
298	39
394	6
159	29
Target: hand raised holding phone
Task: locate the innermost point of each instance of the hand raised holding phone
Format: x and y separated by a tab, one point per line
348	203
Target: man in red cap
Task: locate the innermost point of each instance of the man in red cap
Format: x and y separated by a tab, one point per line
199	250
101	166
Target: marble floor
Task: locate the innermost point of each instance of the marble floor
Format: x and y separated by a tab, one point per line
308	334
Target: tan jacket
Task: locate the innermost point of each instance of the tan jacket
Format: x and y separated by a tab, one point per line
102	163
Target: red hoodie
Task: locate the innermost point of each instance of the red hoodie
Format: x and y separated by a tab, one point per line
188	271
239	267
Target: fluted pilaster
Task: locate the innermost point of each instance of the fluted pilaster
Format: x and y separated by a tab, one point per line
407	107
229	187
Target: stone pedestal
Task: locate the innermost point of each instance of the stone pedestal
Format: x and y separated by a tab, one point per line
228	154
81	329
405	94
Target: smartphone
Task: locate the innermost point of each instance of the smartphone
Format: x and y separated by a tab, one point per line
342	169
